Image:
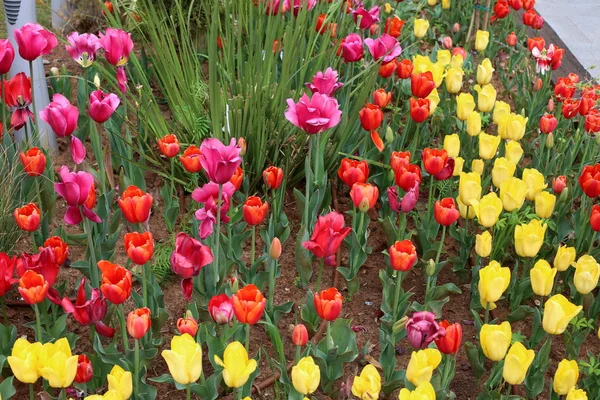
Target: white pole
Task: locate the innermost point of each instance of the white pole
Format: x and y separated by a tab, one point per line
60	13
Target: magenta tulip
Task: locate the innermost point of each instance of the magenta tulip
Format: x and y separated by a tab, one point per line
122	79
83	48
189	256
409	201
297	5
117	46
208	195
78	151
75	189
219	161
88	312
352	48
365	18
34	41
314	115
60	115
7	56
385	47
103	105
422	329
325	83
328	235
392	195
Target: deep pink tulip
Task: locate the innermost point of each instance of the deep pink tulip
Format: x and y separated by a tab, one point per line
103	105
88	312
78	151
365	18
7	56
208	195
272	7
409	201
60	115
189	256
392	195
297	5
83	48
314	115
43	263
422	329
385	47
447	171
117	46
352	48
221	309
328	235
7	273
34	41
325	82
122	79
219	161
75	189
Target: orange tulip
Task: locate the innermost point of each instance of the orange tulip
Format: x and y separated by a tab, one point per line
90	202
248	304
364	196
116	282
387	69
381	98
28	217
191	159
138	322
237	178
403	255
434	160
139	247
33	161
273	176
419	109
353	171
187	325
370	117
254	210
169	145
393	26
33	287
59	248
445	211
399	158
328	304
135	205
405	69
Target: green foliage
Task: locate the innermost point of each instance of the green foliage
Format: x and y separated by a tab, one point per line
11	179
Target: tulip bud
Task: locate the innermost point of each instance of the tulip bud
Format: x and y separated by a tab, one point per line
300	335
550	140
364	205
138	322
187	325
538	85
551	105
456	27
243	146
399	325
54	71
97	81
447	42
85	371
559	184
389	134
234	284
511	39
430	268
275	249
564	196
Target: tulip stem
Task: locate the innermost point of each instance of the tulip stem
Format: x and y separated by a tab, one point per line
272	283
218	231
308	179
592	239
38	323
121	312
136	368
31	392
329	338
93	267
188	392
399	277
145	284
320	274
298	353
487	312
247	338
253	249
35	116
439	252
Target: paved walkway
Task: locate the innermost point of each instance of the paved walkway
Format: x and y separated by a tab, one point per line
577	23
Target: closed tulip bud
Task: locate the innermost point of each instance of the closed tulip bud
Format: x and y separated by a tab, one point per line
135	205
544	204
420	27
537	86
85	371
469	187
254	210
237	367
564	258
328	304
381	98
577	394
485	71
33	161
549	141
138	322
513	151
511	39
370	117
488	209
367	385
587	272
187	325
59	374
459	162
559	184
454	80
542	278
300	335
558	312
28	217
389	134
403	255
120	381
548	123
422	364
220	307
564	195
483	244
493	281
139	247
447	42
517	363
353	171
456	27
512	193
184	359
477	165
399	325
465	212
243	146
535	182
565	377
595	218
488	145
482	38
501	109
432	2
306	376
502	171
452	145
430	268
24	360
550	106
529	238
446	4
486	97
465	104
275	248
495	340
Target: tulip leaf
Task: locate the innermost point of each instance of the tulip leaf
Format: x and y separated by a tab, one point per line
519	314
308	312
209	390
7	390
495	376
444	290
164	378
474	359
303	259
534	381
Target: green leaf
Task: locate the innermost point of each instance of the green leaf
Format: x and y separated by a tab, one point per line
7	390
474	359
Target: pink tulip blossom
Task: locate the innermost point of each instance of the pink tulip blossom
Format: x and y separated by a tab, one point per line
83	48
34	41
365	18
61	115
117	46
219	161
75	189
325	82
88	312
314	115
122	79
103	105
7	56
189	256
272	7
352	48
78	151
220	309
447	171
297	5
208	195
327	237
385	47
543	59
409	201
422	329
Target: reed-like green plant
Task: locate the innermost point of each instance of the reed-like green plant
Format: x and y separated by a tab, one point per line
11	178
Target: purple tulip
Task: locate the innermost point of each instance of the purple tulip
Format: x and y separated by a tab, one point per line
447	171
75	189
208	194
83	48
392	194
352	48
314	115
422	329
88	312
365	18
122	79
219	161
385	46
296	5
61	115
325	83
103	105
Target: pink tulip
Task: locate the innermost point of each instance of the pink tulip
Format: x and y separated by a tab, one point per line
208	195
392	194
219	161
325	83
352	48
88	312
188	257
314	115
7	55
83	48
103	105
365	18
327	237
75	189
422	329
409	201
447	42
60	115
34	41
298	4
385	46
117	46
78	151
122	79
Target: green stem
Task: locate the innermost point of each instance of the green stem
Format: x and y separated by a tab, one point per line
38	323
218	231
248	338
253	249
188	392
121	313
31	392
136	368
240	393
308	181
361	223
145	284
487	312
439	252
592	239
320	274
93	266
329	338
399	277
35	116
401	225
298	353
272	283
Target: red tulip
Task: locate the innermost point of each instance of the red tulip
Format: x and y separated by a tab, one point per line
300	335
407	176
34	41
237	178
559	184
273	177
405	69
327	236
434	160
501	10
17	94
169	145
187	325
328	304
460	51
138	322
220	309
139	247
393	26
135	205
536	42
370	117
421	85
529	18
88	312
85	371
7	273
116	282
592	121
538	21
590	180
33	288
511	39
556	61
58	247
570	108
33	161
419	109
564	89
254	210
595	218
191	159
43	263
403	255
399	158
7	56
548	123
445	211
516	4
528	4
188	257
586	103
28	217
364	196
248	304
353	171
387	69
381	98
450	343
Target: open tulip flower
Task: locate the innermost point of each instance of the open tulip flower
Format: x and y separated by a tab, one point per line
88	312
236	365
184	359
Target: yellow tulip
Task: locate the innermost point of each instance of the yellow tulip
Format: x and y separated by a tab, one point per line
446	4
577	394
459	162
431	3
488	209
529	238
513	151
469	187
438	72
512	193
517	363
421	365
465	104
367	385
565	256
488	145
474	123
493	281
421	27
558	312
565	377
542	278
462	208
454	80
443	57
512	126
535	182
184	359
477	165
457	61
544	204
120	381
587	272
24	360
237	367
388	9
423	391
452	145
495	339
434	100
57	365
421	64
485	71
306	376
482	38
502	171
483	244
501	109
109	395
486	97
